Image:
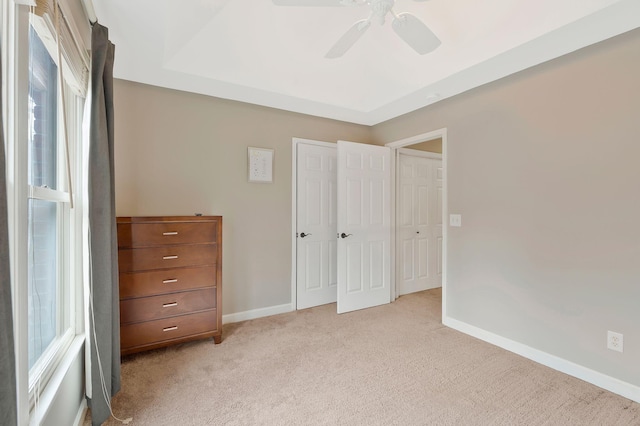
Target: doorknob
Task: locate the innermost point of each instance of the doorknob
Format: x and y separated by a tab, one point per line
343	235
302	235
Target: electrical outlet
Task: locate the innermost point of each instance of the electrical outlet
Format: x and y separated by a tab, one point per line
615	341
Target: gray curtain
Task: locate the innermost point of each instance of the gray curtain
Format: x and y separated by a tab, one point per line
102	230
8	402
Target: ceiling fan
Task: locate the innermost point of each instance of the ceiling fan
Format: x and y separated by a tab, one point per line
410	29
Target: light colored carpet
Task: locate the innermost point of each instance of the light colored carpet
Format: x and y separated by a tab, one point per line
390	365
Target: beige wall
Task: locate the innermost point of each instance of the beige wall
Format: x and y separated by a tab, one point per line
434	145
180	153
543	167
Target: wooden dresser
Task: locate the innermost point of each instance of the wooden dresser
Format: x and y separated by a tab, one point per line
170	280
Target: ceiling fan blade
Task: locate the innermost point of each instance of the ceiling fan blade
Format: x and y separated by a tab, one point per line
348	39
311	2
415	33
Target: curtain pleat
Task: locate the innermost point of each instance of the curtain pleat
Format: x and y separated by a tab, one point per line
8	402
105	324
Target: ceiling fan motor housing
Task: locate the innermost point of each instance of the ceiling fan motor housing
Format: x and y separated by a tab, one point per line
380	8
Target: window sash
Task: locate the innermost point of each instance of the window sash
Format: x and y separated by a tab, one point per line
43	368
67	284
48	194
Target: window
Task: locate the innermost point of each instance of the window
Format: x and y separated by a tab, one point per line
48	213
49	330
43	101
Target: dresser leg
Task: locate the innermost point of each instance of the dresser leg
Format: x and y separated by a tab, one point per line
217	339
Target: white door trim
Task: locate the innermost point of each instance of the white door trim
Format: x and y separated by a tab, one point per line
294	210
439	133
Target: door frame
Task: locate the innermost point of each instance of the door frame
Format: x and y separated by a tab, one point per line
294	211
395	146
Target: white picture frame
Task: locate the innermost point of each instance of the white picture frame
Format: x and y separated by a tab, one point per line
260	165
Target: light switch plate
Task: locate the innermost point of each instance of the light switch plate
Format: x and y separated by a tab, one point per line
455	220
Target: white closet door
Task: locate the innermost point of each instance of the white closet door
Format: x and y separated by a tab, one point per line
364	226
316	223
419	223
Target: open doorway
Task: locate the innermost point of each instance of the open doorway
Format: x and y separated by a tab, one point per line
418	219
420	231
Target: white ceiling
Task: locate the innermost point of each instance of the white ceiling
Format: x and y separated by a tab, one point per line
256	52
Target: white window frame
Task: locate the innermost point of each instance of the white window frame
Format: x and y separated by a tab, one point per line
15	24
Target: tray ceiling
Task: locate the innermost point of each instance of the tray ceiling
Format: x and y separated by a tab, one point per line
256	52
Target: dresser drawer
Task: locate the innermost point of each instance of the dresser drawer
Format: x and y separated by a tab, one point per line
141	259
152	332
166	305
166	233
150	283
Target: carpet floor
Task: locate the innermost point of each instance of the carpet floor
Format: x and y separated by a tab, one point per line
390	365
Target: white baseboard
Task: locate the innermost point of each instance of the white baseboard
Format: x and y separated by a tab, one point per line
609	383
257	313
82	410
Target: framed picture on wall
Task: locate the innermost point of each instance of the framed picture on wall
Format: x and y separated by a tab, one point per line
260	165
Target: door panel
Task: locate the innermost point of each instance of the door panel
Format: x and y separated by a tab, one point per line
364	217
422	195
407	253
316	218
377	265
422	258
406	205
352	203
313	259
354	259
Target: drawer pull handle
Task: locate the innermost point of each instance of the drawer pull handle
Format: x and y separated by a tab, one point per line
170	305
170	328
169	281
169	233
169	257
